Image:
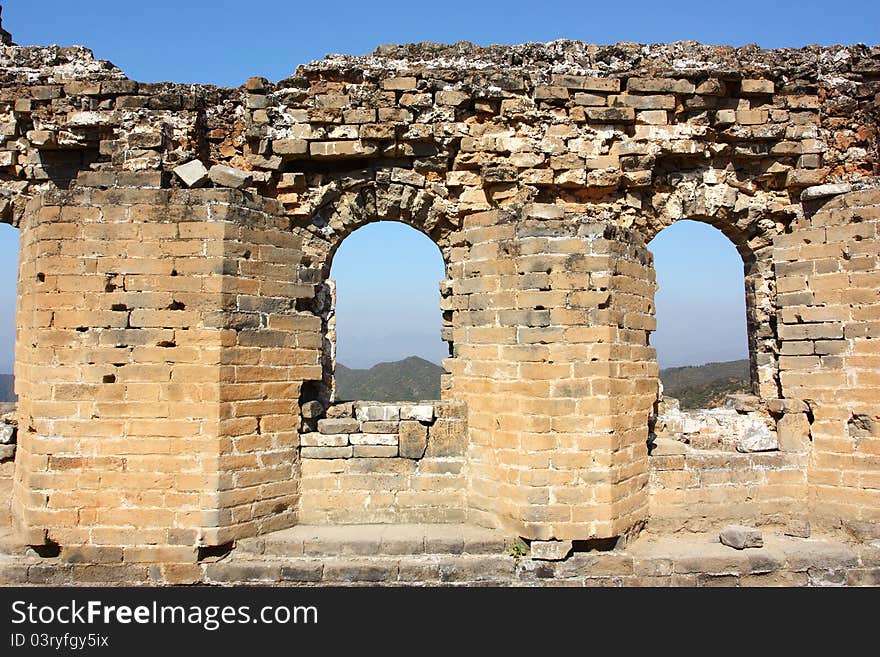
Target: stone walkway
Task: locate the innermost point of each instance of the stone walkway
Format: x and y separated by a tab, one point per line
431	555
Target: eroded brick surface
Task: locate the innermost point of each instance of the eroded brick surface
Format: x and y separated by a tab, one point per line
175	311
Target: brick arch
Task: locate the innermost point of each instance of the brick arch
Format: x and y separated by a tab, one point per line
383	196
756	296
751	224
347	210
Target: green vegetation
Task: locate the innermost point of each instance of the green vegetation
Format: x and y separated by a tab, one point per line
705	386
410	379
518	549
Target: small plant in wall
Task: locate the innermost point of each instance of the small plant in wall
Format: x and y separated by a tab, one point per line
518	549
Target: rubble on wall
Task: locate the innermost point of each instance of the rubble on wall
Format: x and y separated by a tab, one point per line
740	128
8	431
741	425
384	430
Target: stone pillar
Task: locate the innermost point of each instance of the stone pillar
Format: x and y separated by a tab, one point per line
154	417
828	313
552	359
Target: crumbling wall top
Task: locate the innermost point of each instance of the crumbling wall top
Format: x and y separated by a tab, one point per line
688	59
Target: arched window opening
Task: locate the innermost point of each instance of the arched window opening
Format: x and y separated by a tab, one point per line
8	420
701	338
386	327
703	346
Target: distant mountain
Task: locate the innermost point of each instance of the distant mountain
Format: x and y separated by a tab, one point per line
414	378
7	388
410	379
705	386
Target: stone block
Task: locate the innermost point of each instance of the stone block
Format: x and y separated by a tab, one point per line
446	438
378	426
400	84
326	452
373	412
660	85
752	117
420	412
668	446
757	438
226	176
584	83
793	433
7	434
192	174
331	150
610	114
452	97
338	425
413	436
312	409
315	439
373	438
741	537
823	191
374	451
290	148
550	550
757	87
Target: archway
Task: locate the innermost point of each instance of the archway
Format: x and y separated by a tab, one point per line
384	330
387	450
702	330
8	422
386	322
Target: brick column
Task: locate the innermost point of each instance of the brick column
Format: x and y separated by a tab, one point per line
153	419
553	362
828	311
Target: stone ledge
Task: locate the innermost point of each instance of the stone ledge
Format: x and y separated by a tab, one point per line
652	560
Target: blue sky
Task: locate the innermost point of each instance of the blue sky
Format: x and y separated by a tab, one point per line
224	42
387	295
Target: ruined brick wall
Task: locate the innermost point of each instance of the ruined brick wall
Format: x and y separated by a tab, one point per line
828	330
384	463
541	171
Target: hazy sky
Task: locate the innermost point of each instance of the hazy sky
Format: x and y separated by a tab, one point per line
224	42
700	301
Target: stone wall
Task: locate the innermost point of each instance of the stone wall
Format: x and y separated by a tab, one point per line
380	463
171	338
702	489
829	318
151	411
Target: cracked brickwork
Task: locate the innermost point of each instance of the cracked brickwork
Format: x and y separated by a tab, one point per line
175	323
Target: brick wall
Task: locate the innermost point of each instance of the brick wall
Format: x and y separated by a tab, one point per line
701	490
829	316
150	416
380	463
552	360
170	336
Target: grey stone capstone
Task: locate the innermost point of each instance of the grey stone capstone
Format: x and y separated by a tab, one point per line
741	537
